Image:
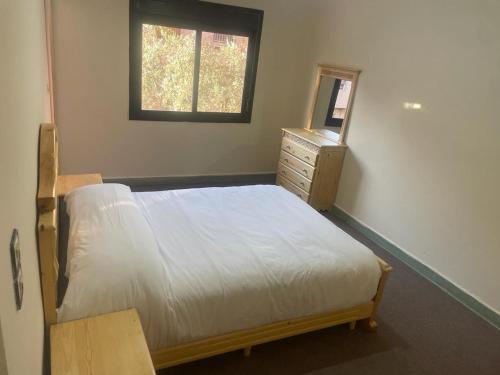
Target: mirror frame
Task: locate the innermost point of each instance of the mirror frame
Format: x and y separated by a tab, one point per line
324	70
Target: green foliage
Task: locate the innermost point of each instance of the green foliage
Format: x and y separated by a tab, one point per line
222	75
168	67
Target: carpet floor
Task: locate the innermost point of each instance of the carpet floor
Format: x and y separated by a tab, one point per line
421	331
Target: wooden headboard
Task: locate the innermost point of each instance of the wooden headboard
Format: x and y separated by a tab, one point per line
47	220
51	186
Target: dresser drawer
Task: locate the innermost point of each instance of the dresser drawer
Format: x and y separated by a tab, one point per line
298	151
281	181
294	177
297	165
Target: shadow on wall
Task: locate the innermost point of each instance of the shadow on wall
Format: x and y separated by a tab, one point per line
351	172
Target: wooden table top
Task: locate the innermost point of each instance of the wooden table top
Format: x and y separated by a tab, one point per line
106	344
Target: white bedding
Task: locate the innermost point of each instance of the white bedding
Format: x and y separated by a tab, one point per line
203	262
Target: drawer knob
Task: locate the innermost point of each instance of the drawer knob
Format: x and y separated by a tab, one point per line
304	170
303	184
307	157
286	160
288	147
283	173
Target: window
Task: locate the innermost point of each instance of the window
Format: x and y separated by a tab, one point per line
192	61
338	103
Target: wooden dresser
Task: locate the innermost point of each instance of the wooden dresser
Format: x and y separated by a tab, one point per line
310	166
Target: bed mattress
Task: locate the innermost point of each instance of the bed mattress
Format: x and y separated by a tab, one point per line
203	262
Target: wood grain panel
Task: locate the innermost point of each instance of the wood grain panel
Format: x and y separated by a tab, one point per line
49	266
246	338
50	186
47	220
301	153
296	164
67	183
327	178
281	181
48	168
296	178
106	344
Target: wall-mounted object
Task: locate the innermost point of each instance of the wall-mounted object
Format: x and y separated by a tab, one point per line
333	98
17	271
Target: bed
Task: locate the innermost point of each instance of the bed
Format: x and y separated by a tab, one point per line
209	270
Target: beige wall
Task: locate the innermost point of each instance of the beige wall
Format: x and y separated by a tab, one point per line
91	73
3	360
427	180
23	105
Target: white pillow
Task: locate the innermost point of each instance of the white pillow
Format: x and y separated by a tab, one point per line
113	258
88	207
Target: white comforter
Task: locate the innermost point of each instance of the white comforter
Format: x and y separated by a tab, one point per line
203	262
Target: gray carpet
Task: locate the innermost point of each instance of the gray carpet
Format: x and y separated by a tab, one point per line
421	331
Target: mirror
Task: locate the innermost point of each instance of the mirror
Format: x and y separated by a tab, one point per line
333	98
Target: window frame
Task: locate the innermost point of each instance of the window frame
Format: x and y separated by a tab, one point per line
199	16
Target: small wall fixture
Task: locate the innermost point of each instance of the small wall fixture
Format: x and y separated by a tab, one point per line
17	271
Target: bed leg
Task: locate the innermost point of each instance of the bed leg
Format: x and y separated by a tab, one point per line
247	351
352	325
369	324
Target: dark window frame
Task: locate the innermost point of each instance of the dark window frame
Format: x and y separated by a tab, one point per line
200	16
330	120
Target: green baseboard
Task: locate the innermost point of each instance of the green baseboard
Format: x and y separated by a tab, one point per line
447	286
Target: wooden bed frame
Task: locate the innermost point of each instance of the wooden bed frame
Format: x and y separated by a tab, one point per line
50	182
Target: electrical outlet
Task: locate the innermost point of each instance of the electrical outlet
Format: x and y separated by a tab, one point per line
17	271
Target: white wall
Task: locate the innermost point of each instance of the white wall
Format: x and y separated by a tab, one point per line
427	180
91	73
23	105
